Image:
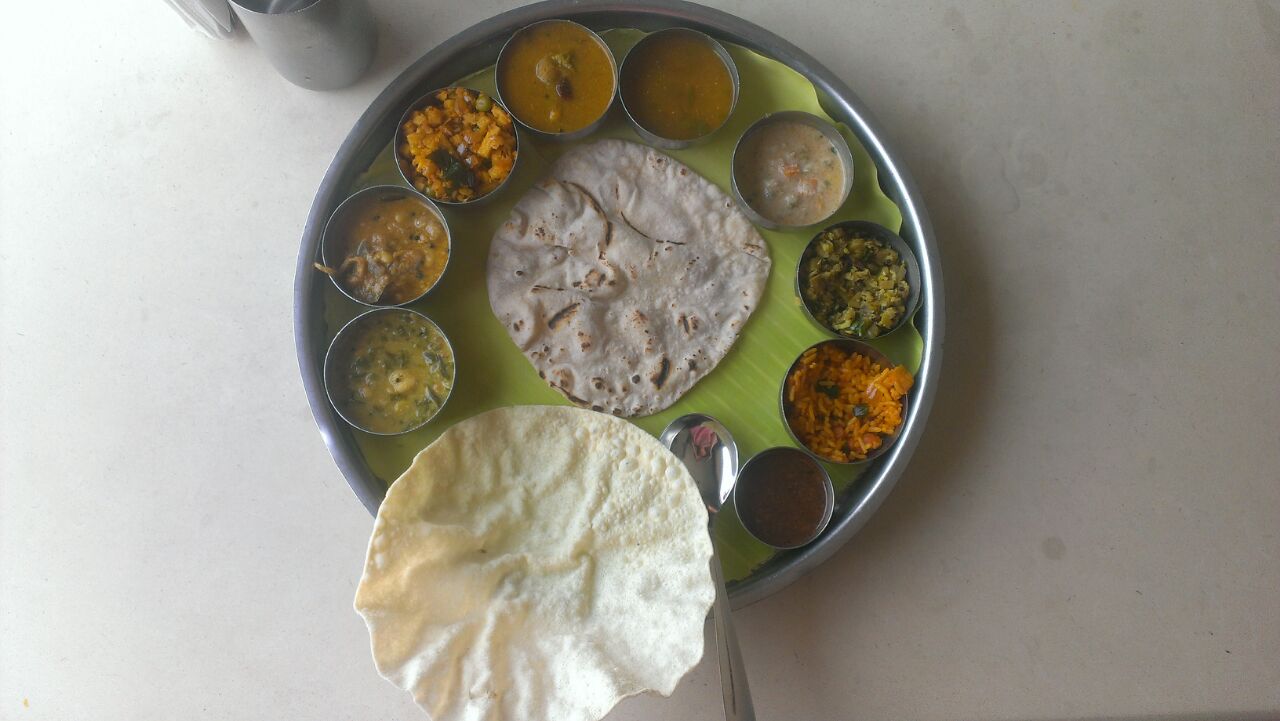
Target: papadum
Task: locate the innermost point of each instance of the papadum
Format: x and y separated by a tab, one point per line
537	563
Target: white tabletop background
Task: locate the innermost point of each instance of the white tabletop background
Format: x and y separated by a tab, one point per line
1088	528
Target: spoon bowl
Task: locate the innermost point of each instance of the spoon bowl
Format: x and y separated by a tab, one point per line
707	449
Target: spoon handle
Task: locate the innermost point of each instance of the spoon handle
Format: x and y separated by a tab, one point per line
733	674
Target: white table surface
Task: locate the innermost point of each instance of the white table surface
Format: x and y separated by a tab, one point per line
1088	529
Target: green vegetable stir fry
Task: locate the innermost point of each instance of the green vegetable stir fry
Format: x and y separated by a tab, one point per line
853	285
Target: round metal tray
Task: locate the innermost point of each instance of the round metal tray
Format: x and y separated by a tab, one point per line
477	47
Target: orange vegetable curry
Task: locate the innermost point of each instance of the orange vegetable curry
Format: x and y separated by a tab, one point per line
556	77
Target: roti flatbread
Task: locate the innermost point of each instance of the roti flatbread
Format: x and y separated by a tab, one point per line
537	563
625	277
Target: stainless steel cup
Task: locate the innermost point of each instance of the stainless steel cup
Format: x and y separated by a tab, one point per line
651	137
848	345
828	131
747	484
500	72
317	44
867	229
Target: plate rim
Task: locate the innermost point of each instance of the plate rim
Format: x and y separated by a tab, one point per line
837	99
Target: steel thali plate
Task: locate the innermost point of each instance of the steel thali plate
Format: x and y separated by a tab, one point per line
477	47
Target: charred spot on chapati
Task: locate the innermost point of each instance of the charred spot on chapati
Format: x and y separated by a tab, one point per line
660	376
590	281
562	315
591	200
632	226
569	394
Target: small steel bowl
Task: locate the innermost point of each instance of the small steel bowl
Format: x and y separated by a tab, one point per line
828	131
867	229
672	143
405	165
336	346
799	456
573	134
330	242
856	346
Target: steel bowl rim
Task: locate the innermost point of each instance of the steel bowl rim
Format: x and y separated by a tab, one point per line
346	328
829	495
401	161
828	130
571	135
451	59
448	236
912	303
725	57
858	346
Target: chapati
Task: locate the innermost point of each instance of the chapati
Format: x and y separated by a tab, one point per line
625	277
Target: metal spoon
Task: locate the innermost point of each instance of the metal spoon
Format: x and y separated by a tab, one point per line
713	463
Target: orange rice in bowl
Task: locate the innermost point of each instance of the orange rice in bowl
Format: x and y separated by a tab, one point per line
845	401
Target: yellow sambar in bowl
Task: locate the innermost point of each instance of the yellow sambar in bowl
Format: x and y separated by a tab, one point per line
557	78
